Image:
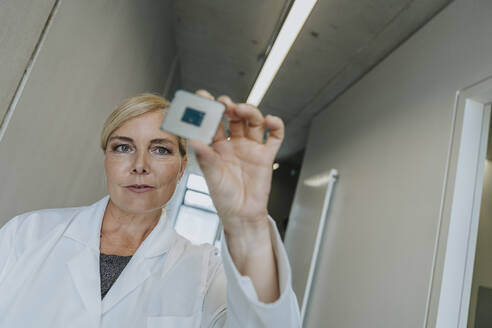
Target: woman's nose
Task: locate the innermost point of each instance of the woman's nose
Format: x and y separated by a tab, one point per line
140	164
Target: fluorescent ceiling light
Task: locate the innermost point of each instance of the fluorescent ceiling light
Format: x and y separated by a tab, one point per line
298	15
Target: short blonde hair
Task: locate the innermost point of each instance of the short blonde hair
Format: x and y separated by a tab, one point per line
133	107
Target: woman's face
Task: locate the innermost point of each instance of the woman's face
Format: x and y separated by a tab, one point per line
140	153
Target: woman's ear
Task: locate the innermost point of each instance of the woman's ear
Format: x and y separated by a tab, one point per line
184	162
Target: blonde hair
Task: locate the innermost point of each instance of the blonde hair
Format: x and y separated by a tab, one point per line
133	107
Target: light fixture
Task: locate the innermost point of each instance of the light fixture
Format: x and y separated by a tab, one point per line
293	24
276	166
318	180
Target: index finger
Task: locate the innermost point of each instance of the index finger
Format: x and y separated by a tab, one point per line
254	129
276	135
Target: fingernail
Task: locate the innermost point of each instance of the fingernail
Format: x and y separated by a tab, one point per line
225	98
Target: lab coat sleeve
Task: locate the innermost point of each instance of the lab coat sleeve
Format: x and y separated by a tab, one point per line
7	247
242	307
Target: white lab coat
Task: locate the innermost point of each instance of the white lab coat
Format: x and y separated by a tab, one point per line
49	277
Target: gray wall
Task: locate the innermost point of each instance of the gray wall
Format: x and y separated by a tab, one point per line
95	54
389	137
21	23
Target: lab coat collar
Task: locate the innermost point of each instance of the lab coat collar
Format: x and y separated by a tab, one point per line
86	229
86	225
84	266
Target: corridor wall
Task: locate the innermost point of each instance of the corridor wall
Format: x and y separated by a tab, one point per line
389	137
21	22
95	54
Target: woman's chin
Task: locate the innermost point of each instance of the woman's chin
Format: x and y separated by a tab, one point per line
137	205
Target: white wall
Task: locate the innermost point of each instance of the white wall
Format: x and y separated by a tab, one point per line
96	53
21	23
482	274
389	137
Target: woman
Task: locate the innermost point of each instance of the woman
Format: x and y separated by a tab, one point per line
57	265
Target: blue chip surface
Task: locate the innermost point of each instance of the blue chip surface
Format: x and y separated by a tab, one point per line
193	116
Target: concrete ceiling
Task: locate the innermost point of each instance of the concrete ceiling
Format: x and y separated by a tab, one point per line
222	45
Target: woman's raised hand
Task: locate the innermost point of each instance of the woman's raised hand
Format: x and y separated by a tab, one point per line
238	168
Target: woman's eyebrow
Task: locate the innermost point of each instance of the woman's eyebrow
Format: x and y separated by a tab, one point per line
122	138
153	141
161	140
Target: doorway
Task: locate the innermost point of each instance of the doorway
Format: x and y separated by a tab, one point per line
455	293
480	314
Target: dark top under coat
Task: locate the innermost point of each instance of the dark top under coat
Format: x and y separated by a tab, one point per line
110	268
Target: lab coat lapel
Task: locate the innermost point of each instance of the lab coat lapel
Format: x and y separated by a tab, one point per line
84	269
134	274
84	266
143	263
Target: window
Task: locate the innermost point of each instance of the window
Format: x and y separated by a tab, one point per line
197	218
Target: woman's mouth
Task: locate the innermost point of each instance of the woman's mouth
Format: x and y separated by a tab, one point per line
139	188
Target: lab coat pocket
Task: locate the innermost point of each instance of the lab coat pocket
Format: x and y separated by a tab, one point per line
192	321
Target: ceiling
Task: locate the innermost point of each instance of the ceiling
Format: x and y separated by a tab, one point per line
222	45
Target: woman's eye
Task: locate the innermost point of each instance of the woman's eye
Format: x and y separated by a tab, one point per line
123	148
162	151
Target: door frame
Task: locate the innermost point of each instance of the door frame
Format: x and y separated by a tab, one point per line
452	273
